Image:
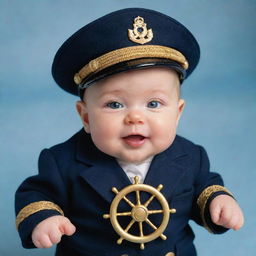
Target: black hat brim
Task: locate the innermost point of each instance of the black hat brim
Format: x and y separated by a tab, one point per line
131	65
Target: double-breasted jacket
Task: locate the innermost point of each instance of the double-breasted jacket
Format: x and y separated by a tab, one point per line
75	179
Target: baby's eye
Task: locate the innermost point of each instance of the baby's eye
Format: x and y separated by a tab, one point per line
114	105
154	104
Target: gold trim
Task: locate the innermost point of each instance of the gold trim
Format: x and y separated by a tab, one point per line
139	213
203	198
129	53
140	34
36	207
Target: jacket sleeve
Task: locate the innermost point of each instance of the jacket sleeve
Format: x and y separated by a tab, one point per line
39	197
208	185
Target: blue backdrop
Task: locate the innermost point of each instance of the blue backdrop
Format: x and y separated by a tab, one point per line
220	95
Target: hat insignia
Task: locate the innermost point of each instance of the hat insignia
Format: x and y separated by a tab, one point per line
140	34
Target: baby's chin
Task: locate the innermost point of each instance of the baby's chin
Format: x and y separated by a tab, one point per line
136	159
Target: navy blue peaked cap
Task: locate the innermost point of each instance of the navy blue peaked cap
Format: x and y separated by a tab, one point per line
122	40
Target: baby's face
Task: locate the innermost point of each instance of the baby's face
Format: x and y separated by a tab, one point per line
133	115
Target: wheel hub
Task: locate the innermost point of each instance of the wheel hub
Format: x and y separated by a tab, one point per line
139	213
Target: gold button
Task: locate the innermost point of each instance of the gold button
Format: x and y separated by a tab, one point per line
170	254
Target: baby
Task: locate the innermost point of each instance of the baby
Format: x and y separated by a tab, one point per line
128	67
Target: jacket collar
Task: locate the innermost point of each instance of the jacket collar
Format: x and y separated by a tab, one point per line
103	172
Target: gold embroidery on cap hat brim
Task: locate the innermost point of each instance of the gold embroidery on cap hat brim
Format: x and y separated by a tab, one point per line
129	53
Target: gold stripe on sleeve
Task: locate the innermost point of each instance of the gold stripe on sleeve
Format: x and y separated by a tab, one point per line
36	207
203	198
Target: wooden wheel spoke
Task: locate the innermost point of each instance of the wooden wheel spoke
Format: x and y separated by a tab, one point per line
123	214
120	240
151	224
149	201
129	225
155	211
128	201
115	190
153	196
138	197
155	228
141	229
141	234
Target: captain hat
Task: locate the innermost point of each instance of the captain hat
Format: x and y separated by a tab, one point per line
123	40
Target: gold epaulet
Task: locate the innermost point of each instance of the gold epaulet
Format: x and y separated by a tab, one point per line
203	198
36	207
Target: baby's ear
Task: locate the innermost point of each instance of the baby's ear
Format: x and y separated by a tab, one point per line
181	106
83	113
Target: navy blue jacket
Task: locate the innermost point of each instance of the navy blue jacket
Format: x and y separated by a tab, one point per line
77	177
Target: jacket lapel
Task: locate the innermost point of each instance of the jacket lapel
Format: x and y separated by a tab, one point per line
102	172
167	169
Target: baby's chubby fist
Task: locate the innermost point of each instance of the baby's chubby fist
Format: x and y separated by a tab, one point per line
49	231
226	212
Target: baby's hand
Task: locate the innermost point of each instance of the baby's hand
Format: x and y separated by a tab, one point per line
226	212
50	231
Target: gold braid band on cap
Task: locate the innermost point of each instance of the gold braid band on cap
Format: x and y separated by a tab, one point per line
203	198
36	207
129	53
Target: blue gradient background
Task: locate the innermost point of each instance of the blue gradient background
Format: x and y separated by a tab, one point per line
220	95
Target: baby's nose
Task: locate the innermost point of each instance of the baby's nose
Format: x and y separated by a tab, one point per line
133	118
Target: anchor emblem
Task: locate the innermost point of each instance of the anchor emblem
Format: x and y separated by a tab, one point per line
140	34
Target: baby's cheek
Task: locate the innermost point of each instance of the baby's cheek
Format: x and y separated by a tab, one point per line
164	137
105	141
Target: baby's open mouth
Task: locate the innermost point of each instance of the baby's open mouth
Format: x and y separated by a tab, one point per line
135	140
